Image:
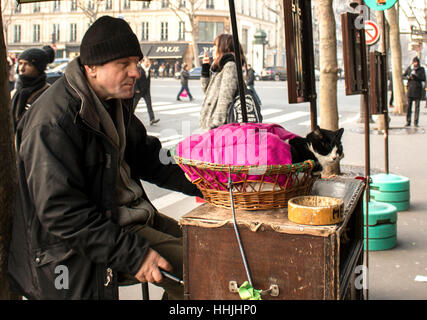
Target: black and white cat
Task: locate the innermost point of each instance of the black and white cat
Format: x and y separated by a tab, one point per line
321	145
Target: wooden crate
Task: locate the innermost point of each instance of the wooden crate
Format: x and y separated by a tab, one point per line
305	262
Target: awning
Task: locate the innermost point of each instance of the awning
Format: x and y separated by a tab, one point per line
165	50
201	47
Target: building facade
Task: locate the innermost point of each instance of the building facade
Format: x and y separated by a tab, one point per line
162	26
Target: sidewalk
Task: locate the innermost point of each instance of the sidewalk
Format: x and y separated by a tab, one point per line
391	272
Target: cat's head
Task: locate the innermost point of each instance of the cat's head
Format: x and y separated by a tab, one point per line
326	145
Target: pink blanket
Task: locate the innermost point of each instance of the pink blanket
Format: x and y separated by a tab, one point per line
239	144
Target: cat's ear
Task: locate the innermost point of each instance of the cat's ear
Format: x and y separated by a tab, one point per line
339	133
317	132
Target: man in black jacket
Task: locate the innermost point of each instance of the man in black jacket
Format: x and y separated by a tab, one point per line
415	75
31	83
83	222
142	89
250	82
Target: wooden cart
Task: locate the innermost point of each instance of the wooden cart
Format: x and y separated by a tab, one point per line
297	261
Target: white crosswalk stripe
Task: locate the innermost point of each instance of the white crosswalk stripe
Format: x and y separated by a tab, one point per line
181	111
286	117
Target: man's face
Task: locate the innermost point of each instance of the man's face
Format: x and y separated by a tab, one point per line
27	69
115	79
415	63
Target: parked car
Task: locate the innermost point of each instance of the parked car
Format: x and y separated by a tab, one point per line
54	74
57	63
257	76
273	73
194	73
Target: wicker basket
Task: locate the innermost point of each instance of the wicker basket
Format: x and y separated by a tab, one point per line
250	194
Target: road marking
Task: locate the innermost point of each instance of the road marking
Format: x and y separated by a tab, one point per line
266	112
181	111
353	119
286	117
169	199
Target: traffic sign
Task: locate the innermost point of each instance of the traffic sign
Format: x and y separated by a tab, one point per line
380	5
372	32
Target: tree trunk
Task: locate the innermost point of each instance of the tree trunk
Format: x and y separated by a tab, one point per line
7	170
328	66
399	97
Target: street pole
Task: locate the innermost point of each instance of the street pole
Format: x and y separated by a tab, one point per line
386	128
238	60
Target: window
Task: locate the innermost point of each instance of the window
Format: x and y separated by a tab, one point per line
182	3
181	30
36	7
145	5
73	5
126	4
56	5
209	30
17	8
17	33
108	4
210	4
55	32
36	33
165	4
90	5
244	40
163	31
144	33
73	32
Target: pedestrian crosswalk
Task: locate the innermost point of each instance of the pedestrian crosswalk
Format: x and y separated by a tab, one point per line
192	109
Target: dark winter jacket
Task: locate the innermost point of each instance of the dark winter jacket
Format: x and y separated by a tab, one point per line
184	77
66	215
415	82
25	94
251	77
143	83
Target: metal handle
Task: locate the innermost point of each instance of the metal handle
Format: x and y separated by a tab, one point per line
273	290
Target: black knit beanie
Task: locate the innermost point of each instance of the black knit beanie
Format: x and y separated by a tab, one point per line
39	58
108	39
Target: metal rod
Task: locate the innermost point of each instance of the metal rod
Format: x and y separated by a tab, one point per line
242	252
367	153
240	81
386	151
313	113
172	277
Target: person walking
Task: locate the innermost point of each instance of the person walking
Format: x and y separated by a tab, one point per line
184	82
415	75
82	212
219	82
31	83
250	82
142	89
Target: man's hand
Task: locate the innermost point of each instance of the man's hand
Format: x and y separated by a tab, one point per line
149	270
